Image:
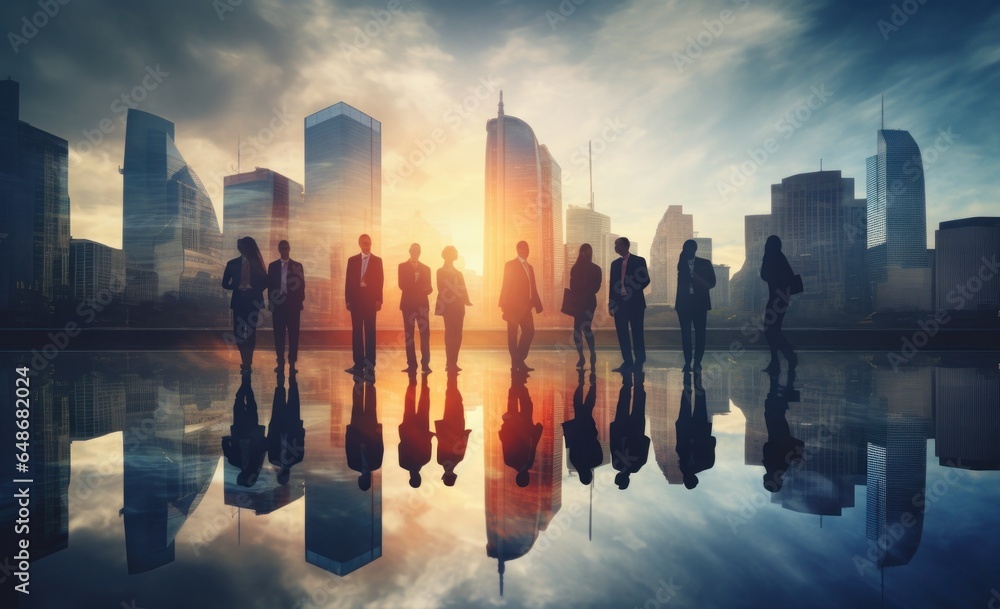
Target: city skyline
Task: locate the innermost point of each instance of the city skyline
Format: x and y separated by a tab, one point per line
434	99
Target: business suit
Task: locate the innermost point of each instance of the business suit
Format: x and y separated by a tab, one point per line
629	442
692	303
363	301
415	283
452	436
247	304
286	435
581	435
363	442
627	304
519	434
695	443
518	295
415	430
245	446
584	283
452	298
286	291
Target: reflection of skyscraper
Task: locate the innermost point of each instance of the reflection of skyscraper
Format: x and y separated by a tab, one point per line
257	204
746	290
523	202
98	406
897	220
674	229
343	168
967	419
343	522
50	455
34	170
665	387
169	224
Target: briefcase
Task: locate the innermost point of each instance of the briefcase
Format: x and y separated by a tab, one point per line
796	286
569	306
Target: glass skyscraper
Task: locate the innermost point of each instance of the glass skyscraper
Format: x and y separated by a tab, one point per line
170	226
257	204
674	229
963	248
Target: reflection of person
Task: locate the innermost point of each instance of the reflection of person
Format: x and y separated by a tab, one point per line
286	436
452	298
363	293
781	450
778	274
695	443
415	430
584	283
695	277
519	434
518	295
629	442
363	438
245	446
627	304
415	283
452	436
286	291
247	278
581	432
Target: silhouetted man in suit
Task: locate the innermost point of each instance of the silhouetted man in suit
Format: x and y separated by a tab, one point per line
415	430
627	304
286	436
629	442
363	292
517	297
363	437
452	436
286	291
782	450
519	434
245	446
695	277
580	432
695	443
415	283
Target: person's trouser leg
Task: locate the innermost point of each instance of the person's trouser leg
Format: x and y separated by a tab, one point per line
424	325
578	334
700	321
639	335
512	342
370	340
294	324
624	342
279	319
527	335
684	319
409	317
357	338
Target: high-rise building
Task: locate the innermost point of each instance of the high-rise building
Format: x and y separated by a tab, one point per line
704	247
97	271
584	225
674	229
169	226
257	204
963	249
720	294
34	175
343	200
747	291
523	203
897	213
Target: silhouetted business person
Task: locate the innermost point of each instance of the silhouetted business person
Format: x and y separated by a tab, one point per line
584	283
247	278
778	274
286	291
363	293
582	441
452	298
363	437
518	295
627	304
519	434
286	435
415	283
695	277
245	446
452	436
629	442
695	443
415	430
781	449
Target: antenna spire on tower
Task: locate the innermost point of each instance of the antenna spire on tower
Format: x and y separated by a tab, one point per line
590	163
500	113
883	112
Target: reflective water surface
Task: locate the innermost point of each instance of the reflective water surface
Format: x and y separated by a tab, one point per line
165	480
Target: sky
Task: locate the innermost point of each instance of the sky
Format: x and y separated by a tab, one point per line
700	104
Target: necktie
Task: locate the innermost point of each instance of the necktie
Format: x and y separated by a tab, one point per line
624	264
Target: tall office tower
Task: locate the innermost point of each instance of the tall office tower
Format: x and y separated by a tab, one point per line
810	212
963	249
855	243
97	271
34	174
169	223
343	157
257	204
704	247
98	401
674	229
967	420
584	225
747	291
720	294
897	221
523	203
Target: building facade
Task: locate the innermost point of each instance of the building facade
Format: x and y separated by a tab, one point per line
965	250
257	204
674	229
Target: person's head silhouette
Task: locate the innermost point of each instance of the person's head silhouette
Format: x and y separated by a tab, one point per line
365	481
283	474
522	479
415	252
621	246
449	254
365	243
522	250
586	476
449	477
622	480
414	479
688	249
772	245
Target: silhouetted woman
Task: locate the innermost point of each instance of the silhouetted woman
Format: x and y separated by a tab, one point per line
695	277
246	276
584	283
452	299
778	274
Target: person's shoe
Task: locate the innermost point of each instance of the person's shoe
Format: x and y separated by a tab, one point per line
593	362
527	368
773	368
291	368
355	370
426	369
793	360
686	368
623	368
580	363
409	369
